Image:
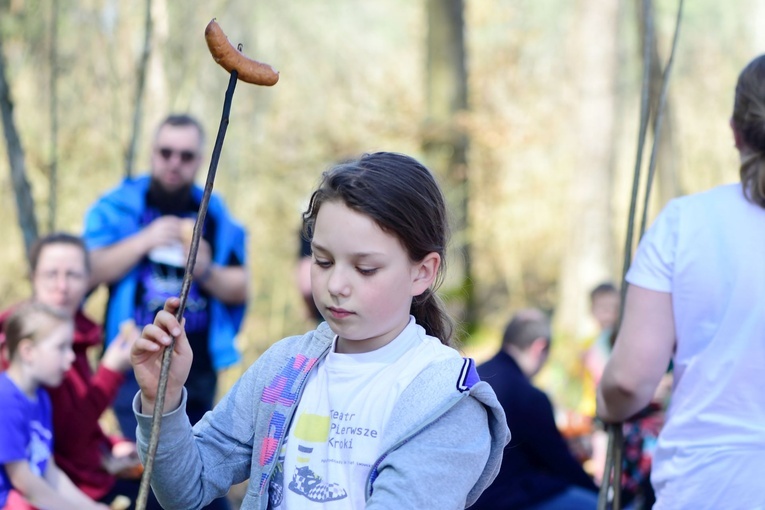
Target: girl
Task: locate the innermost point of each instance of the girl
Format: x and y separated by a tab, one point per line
373	409
696	295
39	346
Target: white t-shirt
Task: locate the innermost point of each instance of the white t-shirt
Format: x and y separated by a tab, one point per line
708	251
334	437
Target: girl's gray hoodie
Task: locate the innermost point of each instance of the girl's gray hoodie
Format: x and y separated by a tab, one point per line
442	445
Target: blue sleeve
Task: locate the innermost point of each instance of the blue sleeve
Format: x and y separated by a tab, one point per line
116	215
100	230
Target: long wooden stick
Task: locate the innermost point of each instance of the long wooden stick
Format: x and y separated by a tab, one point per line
605	484
612	470
658	120
167	355
615	431
645	110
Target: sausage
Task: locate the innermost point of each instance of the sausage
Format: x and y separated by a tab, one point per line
230	58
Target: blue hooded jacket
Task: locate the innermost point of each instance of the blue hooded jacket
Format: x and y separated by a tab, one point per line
116	216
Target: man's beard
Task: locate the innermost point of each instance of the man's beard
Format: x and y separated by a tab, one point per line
170	201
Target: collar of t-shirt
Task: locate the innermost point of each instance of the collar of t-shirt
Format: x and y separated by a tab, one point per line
409	337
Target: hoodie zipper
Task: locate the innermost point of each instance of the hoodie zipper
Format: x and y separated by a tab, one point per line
289	423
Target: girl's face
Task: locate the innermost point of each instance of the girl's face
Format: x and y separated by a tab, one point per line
50	357
361	278
61	279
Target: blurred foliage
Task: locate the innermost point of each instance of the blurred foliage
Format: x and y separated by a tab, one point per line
352	81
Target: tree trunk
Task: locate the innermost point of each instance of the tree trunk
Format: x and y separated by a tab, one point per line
158	100
586	261
139	92
53	162
24	203
444	143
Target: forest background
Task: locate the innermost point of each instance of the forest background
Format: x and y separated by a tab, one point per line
527	110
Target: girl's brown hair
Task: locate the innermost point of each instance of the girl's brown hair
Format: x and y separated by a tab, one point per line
57	238
403	198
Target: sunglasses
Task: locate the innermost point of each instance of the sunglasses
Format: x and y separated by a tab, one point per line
186	156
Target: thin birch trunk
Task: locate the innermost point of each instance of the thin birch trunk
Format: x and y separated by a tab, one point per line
25	206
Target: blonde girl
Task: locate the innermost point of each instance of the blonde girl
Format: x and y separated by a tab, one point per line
39	348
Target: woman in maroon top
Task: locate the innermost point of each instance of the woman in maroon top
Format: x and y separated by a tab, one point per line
60	278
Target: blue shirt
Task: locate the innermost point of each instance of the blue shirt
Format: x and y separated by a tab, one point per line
25	431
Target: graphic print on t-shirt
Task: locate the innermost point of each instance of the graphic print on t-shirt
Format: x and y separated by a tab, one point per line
38	449
161	281
160	278
312	431
321	446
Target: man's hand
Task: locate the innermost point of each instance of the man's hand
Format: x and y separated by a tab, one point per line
162	231
111	263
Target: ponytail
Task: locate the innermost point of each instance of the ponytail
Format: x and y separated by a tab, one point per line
748	122
430	313
753	178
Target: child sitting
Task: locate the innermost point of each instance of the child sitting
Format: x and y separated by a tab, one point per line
39	348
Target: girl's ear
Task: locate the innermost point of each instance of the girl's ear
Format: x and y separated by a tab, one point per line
24	349
425	272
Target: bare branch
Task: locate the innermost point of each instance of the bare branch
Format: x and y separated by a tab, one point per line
24	203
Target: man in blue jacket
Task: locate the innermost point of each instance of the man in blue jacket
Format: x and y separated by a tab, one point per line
538	471
138	235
